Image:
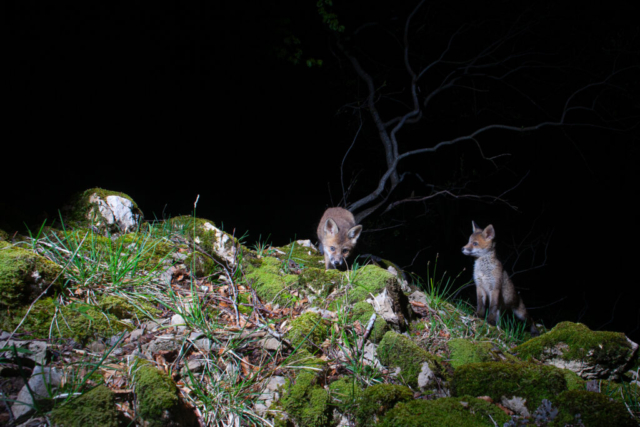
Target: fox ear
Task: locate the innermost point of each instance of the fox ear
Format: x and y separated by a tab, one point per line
474	226
330	227
354	232
489	233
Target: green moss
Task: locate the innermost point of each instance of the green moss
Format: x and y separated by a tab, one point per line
463	351
595	409
307	331
320	281
97	407
622	392
396	350
574	341
78	321
362	312
370	279
466	411
123	309
272	287
155	394
376	400
344	393
303	256
496	379
244	299
306	401
24	275
574	382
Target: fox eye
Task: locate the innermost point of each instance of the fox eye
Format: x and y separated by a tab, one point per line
345	251
475	243
333	248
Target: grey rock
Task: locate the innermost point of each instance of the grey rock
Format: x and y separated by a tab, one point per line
42	387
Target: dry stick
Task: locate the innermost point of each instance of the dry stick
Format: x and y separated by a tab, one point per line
47	288
368	330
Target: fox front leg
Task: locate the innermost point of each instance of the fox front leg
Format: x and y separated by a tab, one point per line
481	295
494	307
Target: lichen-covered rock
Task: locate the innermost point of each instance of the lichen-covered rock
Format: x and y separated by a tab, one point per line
497	379
592	409
109	211
413	364
96	407
24	275
376	400
590	354
466	411
307	331
203	232
157	400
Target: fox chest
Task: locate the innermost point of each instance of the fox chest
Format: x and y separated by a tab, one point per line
485	274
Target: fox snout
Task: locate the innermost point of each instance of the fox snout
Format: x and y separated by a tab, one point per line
336	260
467	250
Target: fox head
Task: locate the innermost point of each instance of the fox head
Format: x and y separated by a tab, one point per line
338	243
480	241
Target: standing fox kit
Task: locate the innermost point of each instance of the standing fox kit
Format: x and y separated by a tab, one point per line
338	235
494	288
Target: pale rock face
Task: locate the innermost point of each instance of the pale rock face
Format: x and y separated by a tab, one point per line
116	210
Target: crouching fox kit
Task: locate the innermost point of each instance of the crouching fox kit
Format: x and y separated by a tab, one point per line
493	285
338	235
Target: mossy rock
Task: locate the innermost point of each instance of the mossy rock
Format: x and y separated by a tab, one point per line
319	281
122	308
465	411
81	322
497	379
304	256
90	208
574	382
463	351
590	354
362	312
157	400
398	351
4	236
345	392
222	246
96	407
376	400
369	280
24	274
308	331
273	287
306	401
622	392
595	409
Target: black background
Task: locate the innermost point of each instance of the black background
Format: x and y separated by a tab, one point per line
165	102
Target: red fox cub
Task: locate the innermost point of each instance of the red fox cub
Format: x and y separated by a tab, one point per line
493	285
338	235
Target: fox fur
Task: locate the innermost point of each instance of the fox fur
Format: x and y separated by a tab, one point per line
337	236
494	288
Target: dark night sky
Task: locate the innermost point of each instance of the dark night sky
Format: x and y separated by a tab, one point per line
167	102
